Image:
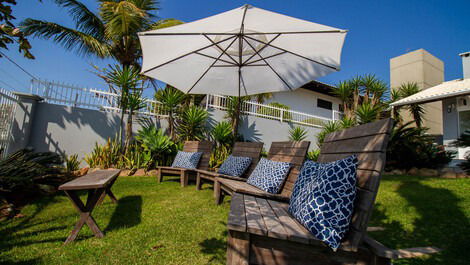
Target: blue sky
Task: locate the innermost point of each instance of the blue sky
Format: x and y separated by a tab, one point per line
378	31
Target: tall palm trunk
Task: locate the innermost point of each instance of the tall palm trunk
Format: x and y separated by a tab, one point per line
129	130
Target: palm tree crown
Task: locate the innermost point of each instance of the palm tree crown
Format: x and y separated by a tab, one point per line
111	32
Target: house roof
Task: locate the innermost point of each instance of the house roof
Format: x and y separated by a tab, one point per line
450	89
319	87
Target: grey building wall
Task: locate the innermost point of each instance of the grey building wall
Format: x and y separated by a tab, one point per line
466	64
70	130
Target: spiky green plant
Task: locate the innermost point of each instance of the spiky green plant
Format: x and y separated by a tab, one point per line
191	124
105	156
297	134
416	110
328	127
367	112
313	155
72	163
171	99
223	137
159	146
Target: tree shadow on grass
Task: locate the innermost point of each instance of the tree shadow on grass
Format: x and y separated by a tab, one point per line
22	262
128	213
215	247
441	223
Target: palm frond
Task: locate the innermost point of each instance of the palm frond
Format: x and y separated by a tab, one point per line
165	23
85	20
70	39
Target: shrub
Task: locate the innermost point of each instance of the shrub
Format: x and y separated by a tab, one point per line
464	141
159	147
313	155
72	163
223	137
411	147
105	156
135	157
191	124
297	134
22	172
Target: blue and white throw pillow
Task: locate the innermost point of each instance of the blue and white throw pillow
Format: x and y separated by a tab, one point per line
269	175
323	198
188	160
235	165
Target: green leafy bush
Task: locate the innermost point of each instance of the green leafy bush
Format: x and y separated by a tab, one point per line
223	137
22	172
464	141
72	163
158	146
313	155
191	124
410	146
105	156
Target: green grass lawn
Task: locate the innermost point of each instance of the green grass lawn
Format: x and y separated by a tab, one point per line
167	224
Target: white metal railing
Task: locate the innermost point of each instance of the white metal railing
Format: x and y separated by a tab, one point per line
271	112
69	95
8	103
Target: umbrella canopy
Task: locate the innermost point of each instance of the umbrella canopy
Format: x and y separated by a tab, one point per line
244	51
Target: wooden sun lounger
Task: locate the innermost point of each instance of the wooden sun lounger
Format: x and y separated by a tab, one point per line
189	146
293	152
261	231
246	149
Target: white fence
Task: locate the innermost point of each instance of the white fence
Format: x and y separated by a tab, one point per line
272	112
64	94
69	95
7	111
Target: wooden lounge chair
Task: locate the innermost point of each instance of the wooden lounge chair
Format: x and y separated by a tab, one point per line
293	152
261	231
189	146
246	149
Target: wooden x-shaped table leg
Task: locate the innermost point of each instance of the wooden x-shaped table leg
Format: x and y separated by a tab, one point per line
85	212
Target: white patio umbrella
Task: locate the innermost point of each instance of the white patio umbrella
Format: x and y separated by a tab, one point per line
244	51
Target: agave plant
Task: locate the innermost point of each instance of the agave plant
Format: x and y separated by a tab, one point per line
191	124
156	144
328	127
297	134
171	98
223	136
313	155
367	112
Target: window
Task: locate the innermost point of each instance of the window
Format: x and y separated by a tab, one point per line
324	104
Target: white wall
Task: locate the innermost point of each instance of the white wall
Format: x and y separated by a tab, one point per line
304	100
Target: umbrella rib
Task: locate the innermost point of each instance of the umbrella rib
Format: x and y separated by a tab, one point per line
272	69
215	58
184	55
270	56
223	51
208	68
262	48
296	54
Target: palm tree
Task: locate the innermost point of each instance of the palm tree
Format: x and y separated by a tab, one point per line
416	110
110	33
171	99
344	90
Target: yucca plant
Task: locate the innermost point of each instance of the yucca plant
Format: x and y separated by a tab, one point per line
223	136
72	163
367	112
297	134
171	99
416	110
328	127
191	124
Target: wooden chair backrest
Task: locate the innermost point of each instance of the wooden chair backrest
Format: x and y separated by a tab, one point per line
369	143
200	146
248	149
294	153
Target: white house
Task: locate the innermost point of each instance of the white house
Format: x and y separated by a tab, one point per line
455	98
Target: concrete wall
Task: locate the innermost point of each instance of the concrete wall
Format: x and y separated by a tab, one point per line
427	71
70	130
304	100
257	129
466	64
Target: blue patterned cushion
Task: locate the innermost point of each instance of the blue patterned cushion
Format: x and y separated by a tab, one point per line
187	159
323	198
269	175
235	165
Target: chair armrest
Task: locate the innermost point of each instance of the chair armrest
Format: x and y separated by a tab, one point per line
385	252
